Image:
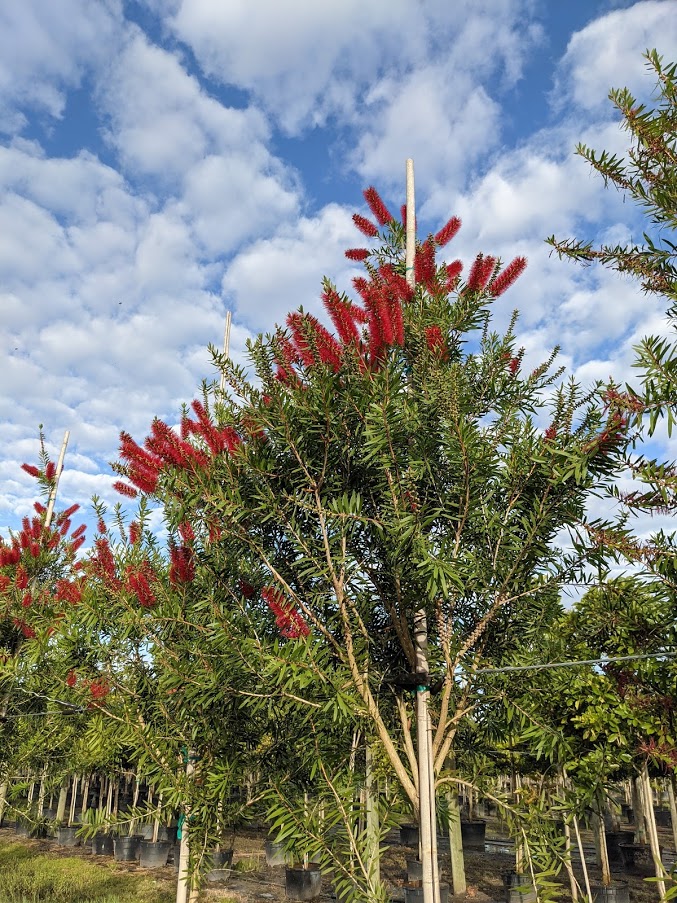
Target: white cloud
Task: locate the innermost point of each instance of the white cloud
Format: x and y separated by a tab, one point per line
607	54
45	48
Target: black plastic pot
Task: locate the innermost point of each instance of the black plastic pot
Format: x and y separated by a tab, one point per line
66	836
146	831
414	870
472	834
102	845
669	859
637	859
221	861
663	819
413	892
153	855
302	883
126	849
409	835
616	892
518	888
275	854
614	839
21	828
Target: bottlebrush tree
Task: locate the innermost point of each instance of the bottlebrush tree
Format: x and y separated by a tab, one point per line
391	464
40	580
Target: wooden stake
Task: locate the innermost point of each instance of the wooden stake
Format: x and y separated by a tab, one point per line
672	787
651	830
226	348
57	476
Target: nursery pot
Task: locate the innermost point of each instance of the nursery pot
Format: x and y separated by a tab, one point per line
637	859
153	855
147	832
414	870
662	817
518	888
221	861
302	883
66	836
126	849
413	892
616	892
102	845
472	834
614	839
409	835
275	854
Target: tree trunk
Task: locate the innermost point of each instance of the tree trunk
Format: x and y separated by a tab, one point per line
672	793
373	850
458	883
637	808
427	820
3	800
602	851
650	819
61	805
183	885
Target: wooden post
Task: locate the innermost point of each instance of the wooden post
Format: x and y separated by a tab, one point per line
371	806
85	798
61	805
226	347
458	883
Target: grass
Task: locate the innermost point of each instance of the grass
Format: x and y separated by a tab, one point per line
30	876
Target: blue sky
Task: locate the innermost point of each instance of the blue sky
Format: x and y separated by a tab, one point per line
163	161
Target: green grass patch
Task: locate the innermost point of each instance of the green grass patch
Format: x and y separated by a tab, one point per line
29	876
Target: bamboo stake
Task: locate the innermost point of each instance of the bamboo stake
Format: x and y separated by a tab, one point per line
57	476
183	883
74	797
226	348
85	795
584	864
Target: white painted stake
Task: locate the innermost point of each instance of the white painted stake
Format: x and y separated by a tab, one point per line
57	476
226	347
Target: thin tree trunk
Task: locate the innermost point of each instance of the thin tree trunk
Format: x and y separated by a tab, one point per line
183	884
74	797
650	819
3	799
135	800
85	798
42	792
371	806
61	805
573	884
458	883
638	810
602	851
672	793
584	864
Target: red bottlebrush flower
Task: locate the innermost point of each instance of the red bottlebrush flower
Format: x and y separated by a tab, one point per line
247	589
289	622
71	679
182	568
79	542
27	600
4	582
403	214
134	532
514	365
365	226
21	578
424	266
81	530
35	549
99	688
27	631
123	489
447	232
40	509
101	525
186	532
65	527
357	253
506	277
104	563
50	471
454	270
377	207
36	529
69	512
138	583
480	273
435	341
65	591
396	283
551	432
31	470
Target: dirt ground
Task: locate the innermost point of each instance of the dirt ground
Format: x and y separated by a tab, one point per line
258	882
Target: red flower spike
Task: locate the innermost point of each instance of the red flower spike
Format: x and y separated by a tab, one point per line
551	432
123	489
447	232
81	530
514	365
50	471
357	253
424	266
377	207
435	341
99	688
341	315
186	532
35	549
508	276
134	532
480	273
182	568
31	470
27	600
27	631
21	578
365	226
289	622
4	582
101	525
39	508
247	589
71	679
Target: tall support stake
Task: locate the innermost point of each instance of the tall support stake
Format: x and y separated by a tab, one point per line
226	348
426	778
183	885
